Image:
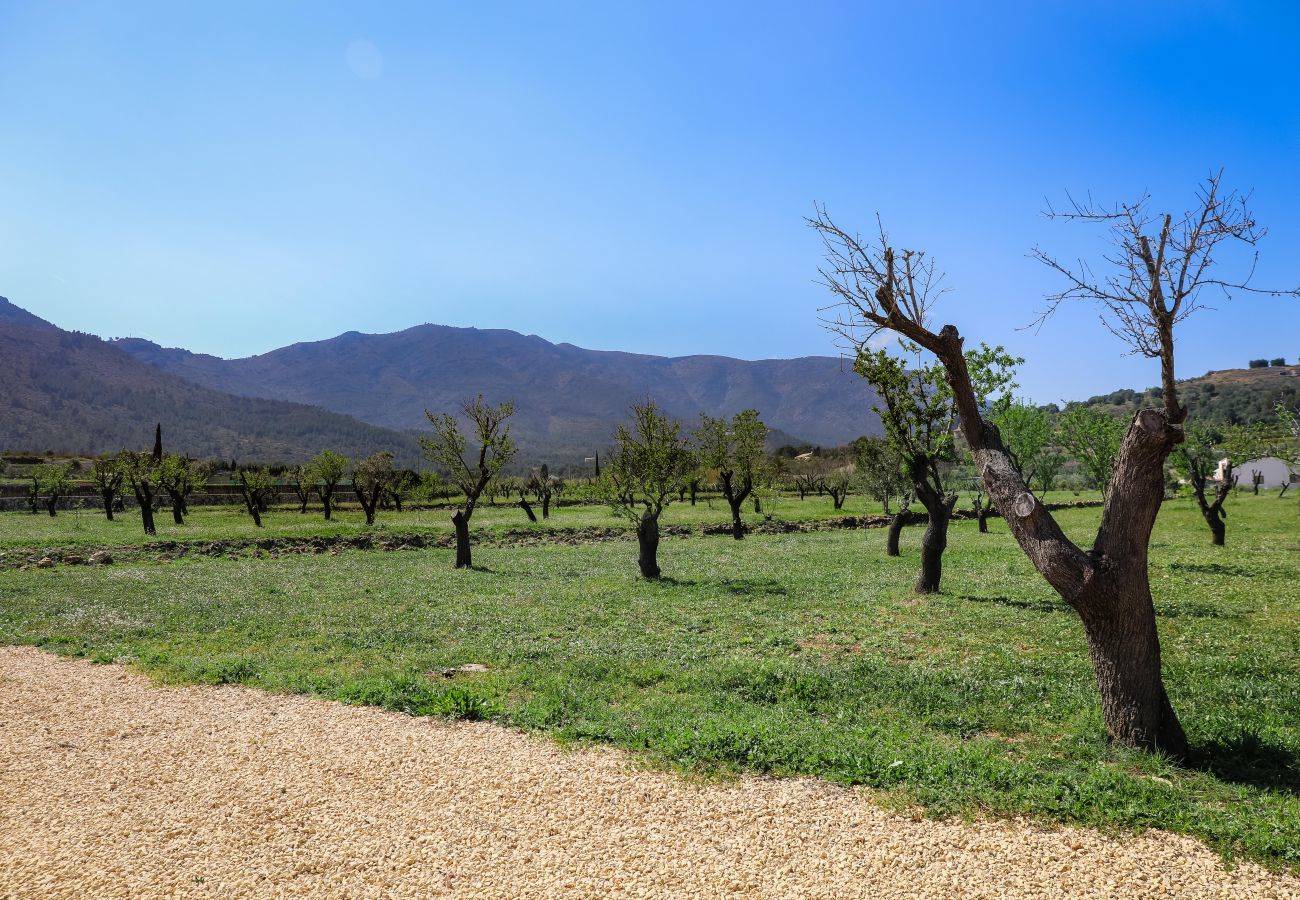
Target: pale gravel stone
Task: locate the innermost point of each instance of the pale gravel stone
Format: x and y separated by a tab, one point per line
112	787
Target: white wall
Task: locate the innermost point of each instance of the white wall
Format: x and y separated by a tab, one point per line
1276	472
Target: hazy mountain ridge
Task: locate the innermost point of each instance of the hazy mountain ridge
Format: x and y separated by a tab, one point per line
73	392
568	398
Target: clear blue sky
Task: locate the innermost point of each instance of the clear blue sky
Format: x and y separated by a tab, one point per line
231	177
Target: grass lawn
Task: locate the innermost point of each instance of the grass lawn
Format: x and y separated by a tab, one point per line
796	654
87	527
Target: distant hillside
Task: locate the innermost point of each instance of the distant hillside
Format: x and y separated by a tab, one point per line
568	399
75	393
14	315
1229	396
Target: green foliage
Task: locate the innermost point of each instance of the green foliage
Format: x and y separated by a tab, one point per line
1288	446
328	468
1093	438
371	479
374	473
880	469
649	464
258	488
180	476
1026	432
916	404
1216	399
53	480
258	482
735	446
138	468
107	474
448	447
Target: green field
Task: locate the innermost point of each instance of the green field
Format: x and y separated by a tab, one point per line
88	527
786	654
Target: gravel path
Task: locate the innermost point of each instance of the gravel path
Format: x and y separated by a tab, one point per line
110	786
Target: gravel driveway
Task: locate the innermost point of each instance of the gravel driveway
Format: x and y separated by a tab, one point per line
113	787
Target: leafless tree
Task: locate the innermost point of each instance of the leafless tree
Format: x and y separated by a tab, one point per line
1156	283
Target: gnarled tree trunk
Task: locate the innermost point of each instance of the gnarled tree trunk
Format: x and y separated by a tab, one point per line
735	497
896	525
144	499
1108	586
647	539
528	509
1212	510
460	521
935	541
108	497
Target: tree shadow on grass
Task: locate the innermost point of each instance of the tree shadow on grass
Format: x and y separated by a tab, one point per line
1249	760
1212	569
1043	606
1191	609
737	587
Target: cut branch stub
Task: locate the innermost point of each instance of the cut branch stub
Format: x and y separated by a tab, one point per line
1024	506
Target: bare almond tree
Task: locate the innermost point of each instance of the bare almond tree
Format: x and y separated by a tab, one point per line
1155	281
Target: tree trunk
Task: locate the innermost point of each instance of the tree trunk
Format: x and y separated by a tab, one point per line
934	543
546	505
1212	511
737	526
528	509
647	538
695	486
370	504
1218	528
253	511
327	500
1120	623
982	515
178	507
144	498
461	523
108	504
52	505
896	525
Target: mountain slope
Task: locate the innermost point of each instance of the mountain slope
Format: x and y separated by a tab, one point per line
73	392
16	315
1226	396
568	399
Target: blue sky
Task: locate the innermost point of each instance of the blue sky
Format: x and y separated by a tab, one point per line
232	177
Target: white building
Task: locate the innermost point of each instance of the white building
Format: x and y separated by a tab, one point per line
1277	472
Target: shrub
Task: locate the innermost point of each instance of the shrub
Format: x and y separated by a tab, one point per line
1280	361
1259	363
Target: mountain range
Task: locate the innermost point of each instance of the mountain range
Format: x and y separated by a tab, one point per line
75	393
567	399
